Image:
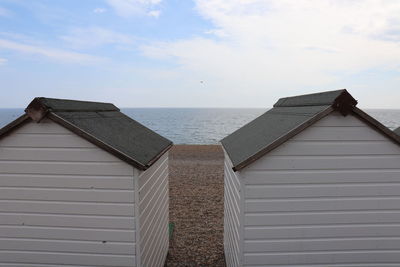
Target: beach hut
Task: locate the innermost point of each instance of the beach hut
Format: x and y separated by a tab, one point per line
82	184
314	181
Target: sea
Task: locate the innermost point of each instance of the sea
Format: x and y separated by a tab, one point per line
203	125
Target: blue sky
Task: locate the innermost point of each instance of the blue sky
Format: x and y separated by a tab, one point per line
201	53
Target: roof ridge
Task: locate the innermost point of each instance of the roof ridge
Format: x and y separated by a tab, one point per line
341	100
39	107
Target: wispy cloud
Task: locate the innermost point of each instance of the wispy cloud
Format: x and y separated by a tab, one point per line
51	53
154	13
99	10
128	8
3	61
281	44
96	36
4	12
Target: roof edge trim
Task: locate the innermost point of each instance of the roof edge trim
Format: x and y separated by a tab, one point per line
151	162
283	139
13	125
377	125
92	139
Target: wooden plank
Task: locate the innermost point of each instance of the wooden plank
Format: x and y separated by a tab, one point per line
97	247
45	126
321	191
147	208
340	148
321	231
340	133
67	258
144	176
147	191
335	119
353	243
322	176
232	214
29	206
260	205
152	219
56	154
159	231
327	162
69	168
44	140
58	220
15	231
66	181
80	195
321	218
326	258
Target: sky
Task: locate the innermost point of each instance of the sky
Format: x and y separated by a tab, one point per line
200	53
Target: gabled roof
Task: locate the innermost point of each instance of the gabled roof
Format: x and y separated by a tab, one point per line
288	117
397	131
101	124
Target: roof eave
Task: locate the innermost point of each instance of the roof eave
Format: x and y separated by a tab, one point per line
283	139
377	125
159	155
13	125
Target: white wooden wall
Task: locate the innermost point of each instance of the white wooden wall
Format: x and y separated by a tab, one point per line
63	201
328	197
233	212
153	214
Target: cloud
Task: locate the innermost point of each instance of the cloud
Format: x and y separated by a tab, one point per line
96	36
128	8
259	48
51	53
3	61
99	10
4	12
154	13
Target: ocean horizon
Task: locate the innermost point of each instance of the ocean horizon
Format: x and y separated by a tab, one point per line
202	125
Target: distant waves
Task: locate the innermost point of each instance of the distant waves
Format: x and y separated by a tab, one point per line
201	125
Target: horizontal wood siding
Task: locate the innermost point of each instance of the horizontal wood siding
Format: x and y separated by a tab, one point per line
63	201
232	215
330	196
153	217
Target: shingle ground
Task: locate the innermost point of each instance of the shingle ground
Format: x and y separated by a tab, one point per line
196	205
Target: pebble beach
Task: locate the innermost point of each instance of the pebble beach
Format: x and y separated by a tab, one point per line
196	205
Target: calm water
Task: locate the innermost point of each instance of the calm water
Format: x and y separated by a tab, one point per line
202	125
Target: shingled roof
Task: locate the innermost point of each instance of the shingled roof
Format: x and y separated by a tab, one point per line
288	117
101	124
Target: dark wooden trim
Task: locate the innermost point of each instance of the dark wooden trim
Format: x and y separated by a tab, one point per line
344	103
13	125
283	139
96	141
151	162
36	110
377	125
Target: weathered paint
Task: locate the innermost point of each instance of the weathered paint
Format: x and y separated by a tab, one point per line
63	201
328	196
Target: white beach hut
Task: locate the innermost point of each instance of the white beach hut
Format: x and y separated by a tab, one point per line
314	181
82	184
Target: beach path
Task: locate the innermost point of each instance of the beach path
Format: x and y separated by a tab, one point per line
196	182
